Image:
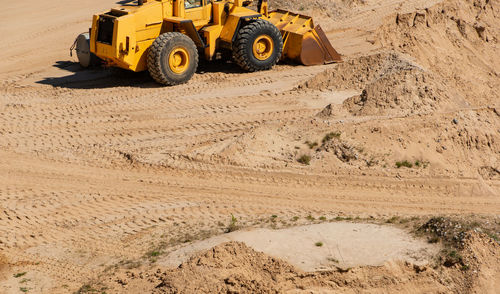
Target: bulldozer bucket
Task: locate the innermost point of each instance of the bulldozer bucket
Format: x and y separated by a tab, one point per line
302	41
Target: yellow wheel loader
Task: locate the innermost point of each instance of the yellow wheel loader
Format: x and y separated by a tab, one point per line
166	37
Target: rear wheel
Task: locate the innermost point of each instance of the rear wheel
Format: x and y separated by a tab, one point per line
258	46
172	59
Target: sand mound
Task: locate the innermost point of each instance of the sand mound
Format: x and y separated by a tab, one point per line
228	268
457	39
234	267
401	92
456	46
390	85
356	73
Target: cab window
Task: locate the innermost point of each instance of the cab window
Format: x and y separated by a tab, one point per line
192	3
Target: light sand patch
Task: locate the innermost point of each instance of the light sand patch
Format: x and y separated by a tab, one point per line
343	244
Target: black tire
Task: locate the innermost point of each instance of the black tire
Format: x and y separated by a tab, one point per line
158	58
243	53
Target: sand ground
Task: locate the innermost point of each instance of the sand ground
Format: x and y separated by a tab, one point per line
99	166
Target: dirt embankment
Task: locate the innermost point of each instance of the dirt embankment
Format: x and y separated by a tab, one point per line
457	40
235	268
450	61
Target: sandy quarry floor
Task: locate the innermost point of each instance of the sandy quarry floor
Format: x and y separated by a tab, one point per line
99	167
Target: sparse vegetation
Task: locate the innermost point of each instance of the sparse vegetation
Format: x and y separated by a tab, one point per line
233	226
310	218
304	159
19	274
24	281
86	289
404	220
330	136
404	163
392	220
322	218
23	289
154	253
333	259
311	145
318	244
421	163
371	162
295	218
452	257
408	164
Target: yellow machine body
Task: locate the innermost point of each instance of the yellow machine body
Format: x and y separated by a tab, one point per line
122	36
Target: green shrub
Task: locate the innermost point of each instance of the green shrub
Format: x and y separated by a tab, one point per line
330	136
405	163
304	159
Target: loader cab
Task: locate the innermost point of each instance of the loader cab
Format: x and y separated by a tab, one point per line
199	11
191	4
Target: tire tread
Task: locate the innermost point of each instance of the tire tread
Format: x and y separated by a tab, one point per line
242	41
155	57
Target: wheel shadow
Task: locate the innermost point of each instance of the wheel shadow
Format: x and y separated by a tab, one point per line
99	77
219	66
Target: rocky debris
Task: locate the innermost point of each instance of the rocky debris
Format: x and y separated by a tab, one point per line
344	151
454	231
489	172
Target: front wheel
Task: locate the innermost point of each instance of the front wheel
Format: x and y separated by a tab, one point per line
172	59
258	46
